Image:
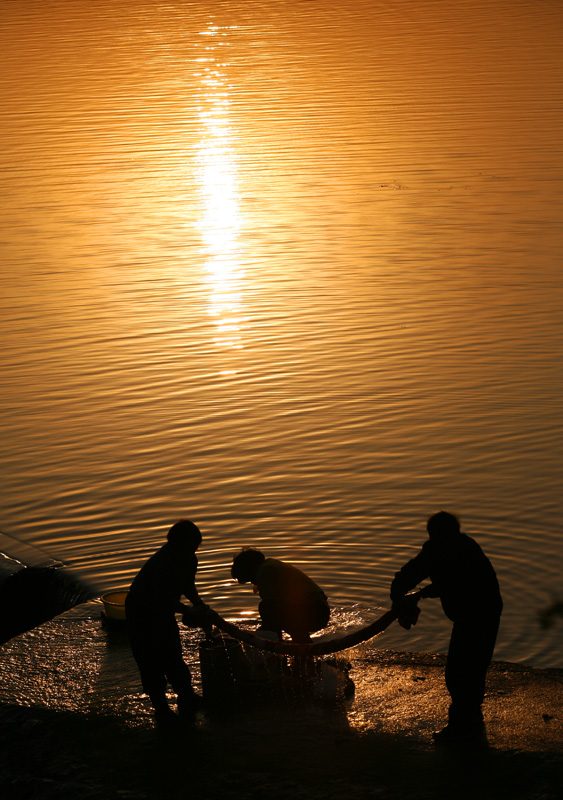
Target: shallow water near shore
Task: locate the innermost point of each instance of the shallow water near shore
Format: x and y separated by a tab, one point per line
72	719
293	272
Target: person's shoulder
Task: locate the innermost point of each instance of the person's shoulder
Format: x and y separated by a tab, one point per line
152	561
182	564
428	548
269	567
162	556
271	564
469	542
470	546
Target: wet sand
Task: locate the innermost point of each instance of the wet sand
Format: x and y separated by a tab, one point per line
74	724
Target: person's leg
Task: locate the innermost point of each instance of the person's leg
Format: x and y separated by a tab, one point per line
469	655
270	617
146	652
178	672
461	679
319	616
300	620
297	619
175	668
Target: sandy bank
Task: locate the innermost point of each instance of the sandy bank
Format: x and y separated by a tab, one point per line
73	723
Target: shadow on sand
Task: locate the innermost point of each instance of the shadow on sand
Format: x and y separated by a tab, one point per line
273	753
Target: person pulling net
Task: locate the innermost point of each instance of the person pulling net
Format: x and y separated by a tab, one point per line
292	602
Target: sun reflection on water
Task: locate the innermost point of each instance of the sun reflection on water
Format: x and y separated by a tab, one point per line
220	221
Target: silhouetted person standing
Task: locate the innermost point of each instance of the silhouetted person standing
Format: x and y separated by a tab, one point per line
289	600
151	606
465	581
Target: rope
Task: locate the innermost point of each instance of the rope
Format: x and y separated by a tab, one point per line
311	648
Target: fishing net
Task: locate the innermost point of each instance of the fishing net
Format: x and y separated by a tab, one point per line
319	648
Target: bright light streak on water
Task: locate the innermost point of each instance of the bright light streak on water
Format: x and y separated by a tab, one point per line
295	274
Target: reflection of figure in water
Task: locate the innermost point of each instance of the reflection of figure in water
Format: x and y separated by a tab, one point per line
152	602
465	581
290	600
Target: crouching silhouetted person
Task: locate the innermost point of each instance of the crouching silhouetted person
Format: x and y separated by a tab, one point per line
465	581
289	600
151	606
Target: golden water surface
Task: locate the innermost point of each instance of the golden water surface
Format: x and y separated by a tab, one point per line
291	270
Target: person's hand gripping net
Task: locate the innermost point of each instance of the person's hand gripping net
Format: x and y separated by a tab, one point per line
407	610
199	615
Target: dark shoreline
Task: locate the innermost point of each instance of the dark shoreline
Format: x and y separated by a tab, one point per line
302	753
73	723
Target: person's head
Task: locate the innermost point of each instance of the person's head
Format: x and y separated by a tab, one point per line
184	536
442	526
246	564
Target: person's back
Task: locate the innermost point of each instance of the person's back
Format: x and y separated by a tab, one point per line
277	580
290	600
163	579
462	575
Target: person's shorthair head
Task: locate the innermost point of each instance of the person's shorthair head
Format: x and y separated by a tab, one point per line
246	563
442	525
184	535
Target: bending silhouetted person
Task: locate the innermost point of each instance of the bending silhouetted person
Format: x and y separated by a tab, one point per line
151	606
289	600
465	581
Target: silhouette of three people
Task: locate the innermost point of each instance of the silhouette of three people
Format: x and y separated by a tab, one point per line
461	576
